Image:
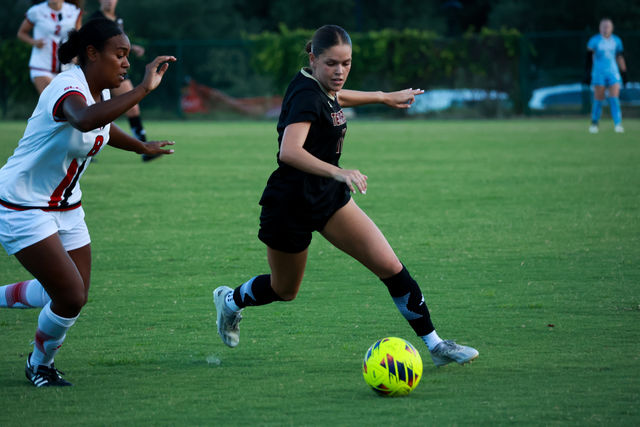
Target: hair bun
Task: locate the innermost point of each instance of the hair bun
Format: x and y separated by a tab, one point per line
70	49
326	37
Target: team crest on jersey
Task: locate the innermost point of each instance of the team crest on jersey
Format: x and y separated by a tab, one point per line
338	118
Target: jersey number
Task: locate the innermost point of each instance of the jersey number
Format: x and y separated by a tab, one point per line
58	29
96	146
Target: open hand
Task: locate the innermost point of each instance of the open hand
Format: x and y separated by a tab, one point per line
155	147
354	179
153	75
402	98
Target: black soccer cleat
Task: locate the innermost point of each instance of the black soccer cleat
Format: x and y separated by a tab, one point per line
44	376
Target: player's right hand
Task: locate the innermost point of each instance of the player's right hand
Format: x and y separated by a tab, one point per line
38	43
354	179
154	72
156	147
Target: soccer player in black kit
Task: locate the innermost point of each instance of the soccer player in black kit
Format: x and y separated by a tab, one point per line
309	192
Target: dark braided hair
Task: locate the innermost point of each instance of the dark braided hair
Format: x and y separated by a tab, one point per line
94	33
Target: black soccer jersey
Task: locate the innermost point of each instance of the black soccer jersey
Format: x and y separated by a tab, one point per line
307	101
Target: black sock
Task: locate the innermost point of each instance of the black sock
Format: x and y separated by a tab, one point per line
137	128
410	302
257	291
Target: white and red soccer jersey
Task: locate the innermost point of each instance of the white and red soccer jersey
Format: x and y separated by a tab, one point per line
45	169
52	26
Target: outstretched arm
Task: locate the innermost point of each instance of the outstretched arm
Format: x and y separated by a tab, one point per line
293	153
24	34
399	99
122	140
85	118
621	63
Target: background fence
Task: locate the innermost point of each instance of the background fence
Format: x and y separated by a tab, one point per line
502	69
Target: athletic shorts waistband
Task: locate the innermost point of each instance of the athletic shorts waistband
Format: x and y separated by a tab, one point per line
15	207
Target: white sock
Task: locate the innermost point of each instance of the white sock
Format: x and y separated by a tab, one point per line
231	303
25	294
431	340
52	329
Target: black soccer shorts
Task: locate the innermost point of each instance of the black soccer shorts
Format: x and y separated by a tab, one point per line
288	227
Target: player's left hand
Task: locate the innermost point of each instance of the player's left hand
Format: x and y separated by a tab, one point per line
402	98
154	72
155	147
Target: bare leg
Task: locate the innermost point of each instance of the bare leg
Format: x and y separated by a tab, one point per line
82	259
353	232
58	273
598	93
614	91
282	284
287	271
65	277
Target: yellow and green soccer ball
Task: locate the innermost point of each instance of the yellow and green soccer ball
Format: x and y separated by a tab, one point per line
392	367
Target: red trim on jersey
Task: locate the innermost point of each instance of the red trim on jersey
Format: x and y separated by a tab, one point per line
56	197
42	208
59	102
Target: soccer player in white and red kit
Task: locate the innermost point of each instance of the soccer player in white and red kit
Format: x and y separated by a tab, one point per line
50	22
41	217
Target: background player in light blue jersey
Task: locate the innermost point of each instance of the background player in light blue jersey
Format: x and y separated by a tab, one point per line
606	69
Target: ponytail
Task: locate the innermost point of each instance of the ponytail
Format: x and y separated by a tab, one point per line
94	33
71	48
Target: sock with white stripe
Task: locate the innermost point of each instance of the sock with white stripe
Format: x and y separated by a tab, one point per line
52	330
256	291
408	298
27	294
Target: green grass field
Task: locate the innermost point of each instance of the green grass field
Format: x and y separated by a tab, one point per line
524	236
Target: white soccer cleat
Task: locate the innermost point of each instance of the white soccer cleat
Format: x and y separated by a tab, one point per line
593	128
448	351
227	320
619	129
